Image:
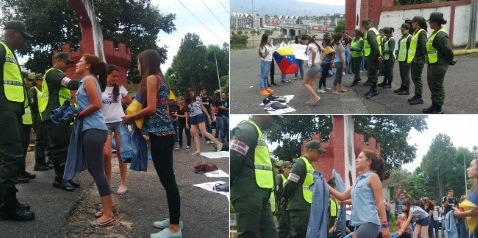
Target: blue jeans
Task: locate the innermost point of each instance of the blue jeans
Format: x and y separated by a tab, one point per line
300	66
338	73
348	69
265	66
224	129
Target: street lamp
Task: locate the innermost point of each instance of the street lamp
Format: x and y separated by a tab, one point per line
217	67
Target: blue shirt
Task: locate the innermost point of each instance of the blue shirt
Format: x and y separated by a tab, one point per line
159	123
94	120
363	202
195	107
337	56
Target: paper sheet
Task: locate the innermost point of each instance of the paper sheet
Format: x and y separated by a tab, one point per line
217	174
216	155
210	185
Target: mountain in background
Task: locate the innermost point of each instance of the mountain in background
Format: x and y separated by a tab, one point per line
285	7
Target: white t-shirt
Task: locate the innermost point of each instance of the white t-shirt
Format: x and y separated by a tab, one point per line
283	44
266	49
317	53
112	110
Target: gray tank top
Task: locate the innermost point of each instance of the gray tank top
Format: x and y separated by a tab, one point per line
195	107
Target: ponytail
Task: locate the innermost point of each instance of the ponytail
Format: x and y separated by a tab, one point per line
115	92
98	69
377	165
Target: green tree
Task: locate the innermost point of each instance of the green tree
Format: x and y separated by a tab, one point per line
340	26
195	64
390	131
238	40
53	23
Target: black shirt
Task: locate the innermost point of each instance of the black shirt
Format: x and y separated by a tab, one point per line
452	202
207	101
220	111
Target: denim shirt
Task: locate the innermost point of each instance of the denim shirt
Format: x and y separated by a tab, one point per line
94	120
363	202
318	209
337	56
341	219
450	225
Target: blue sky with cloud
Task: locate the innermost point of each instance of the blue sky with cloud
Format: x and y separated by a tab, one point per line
215	32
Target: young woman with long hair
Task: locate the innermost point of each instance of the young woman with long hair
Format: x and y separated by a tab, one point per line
368	214
311	75
470	205
183	115
420	216
265	54
197	120
339	63
112	98
94	130
154	91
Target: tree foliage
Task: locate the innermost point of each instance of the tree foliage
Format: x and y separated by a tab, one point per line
443	167
238	40
390	131
194	66
340	26
53	23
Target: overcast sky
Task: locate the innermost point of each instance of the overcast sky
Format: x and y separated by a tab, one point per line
215	32
462	129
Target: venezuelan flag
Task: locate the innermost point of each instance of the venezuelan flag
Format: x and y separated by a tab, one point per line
285	59
470	203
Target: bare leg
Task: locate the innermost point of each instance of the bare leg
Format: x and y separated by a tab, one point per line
122	166
306	84
194	129
202	127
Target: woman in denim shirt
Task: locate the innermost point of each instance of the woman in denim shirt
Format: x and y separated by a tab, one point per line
368	213
155	90
93	129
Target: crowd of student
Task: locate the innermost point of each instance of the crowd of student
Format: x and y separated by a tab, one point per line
373	50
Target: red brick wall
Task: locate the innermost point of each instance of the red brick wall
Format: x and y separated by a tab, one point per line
334	157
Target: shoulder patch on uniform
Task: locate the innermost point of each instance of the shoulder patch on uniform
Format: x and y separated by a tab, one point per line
239	147
293	177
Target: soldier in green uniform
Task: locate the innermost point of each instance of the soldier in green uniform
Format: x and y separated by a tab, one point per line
388	47
12	104
404	67
356	48
282	214
252	178
297	196
24	176
416	57
373	54
41	138
55	90
440	55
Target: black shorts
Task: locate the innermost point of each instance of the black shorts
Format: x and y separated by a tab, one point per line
195	120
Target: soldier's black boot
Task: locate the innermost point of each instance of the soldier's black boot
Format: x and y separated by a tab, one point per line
398	89
373	91
433	109
383	83
417	99
16	212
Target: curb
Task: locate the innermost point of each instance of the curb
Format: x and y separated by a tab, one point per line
464	52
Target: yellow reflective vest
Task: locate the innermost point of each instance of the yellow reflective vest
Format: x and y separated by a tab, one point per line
27	117
63	94
366	46
432	53
308	181
402	52
262	162
12	77
333	207
413	46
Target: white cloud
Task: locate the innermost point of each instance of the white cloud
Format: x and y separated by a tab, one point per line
212	33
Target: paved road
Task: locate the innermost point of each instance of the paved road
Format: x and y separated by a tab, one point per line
460	87
67	214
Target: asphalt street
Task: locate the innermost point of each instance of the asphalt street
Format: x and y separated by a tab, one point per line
67	214
460	89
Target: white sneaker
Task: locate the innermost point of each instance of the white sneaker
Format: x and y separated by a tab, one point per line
321	91
219	148
177	147
188	147
327	89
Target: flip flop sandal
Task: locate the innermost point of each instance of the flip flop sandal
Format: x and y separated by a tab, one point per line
109	222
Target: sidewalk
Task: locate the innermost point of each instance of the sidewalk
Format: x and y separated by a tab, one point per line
66	214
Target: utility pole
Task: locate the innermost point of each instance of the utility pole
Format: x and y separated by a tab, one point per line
252	25
473	24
